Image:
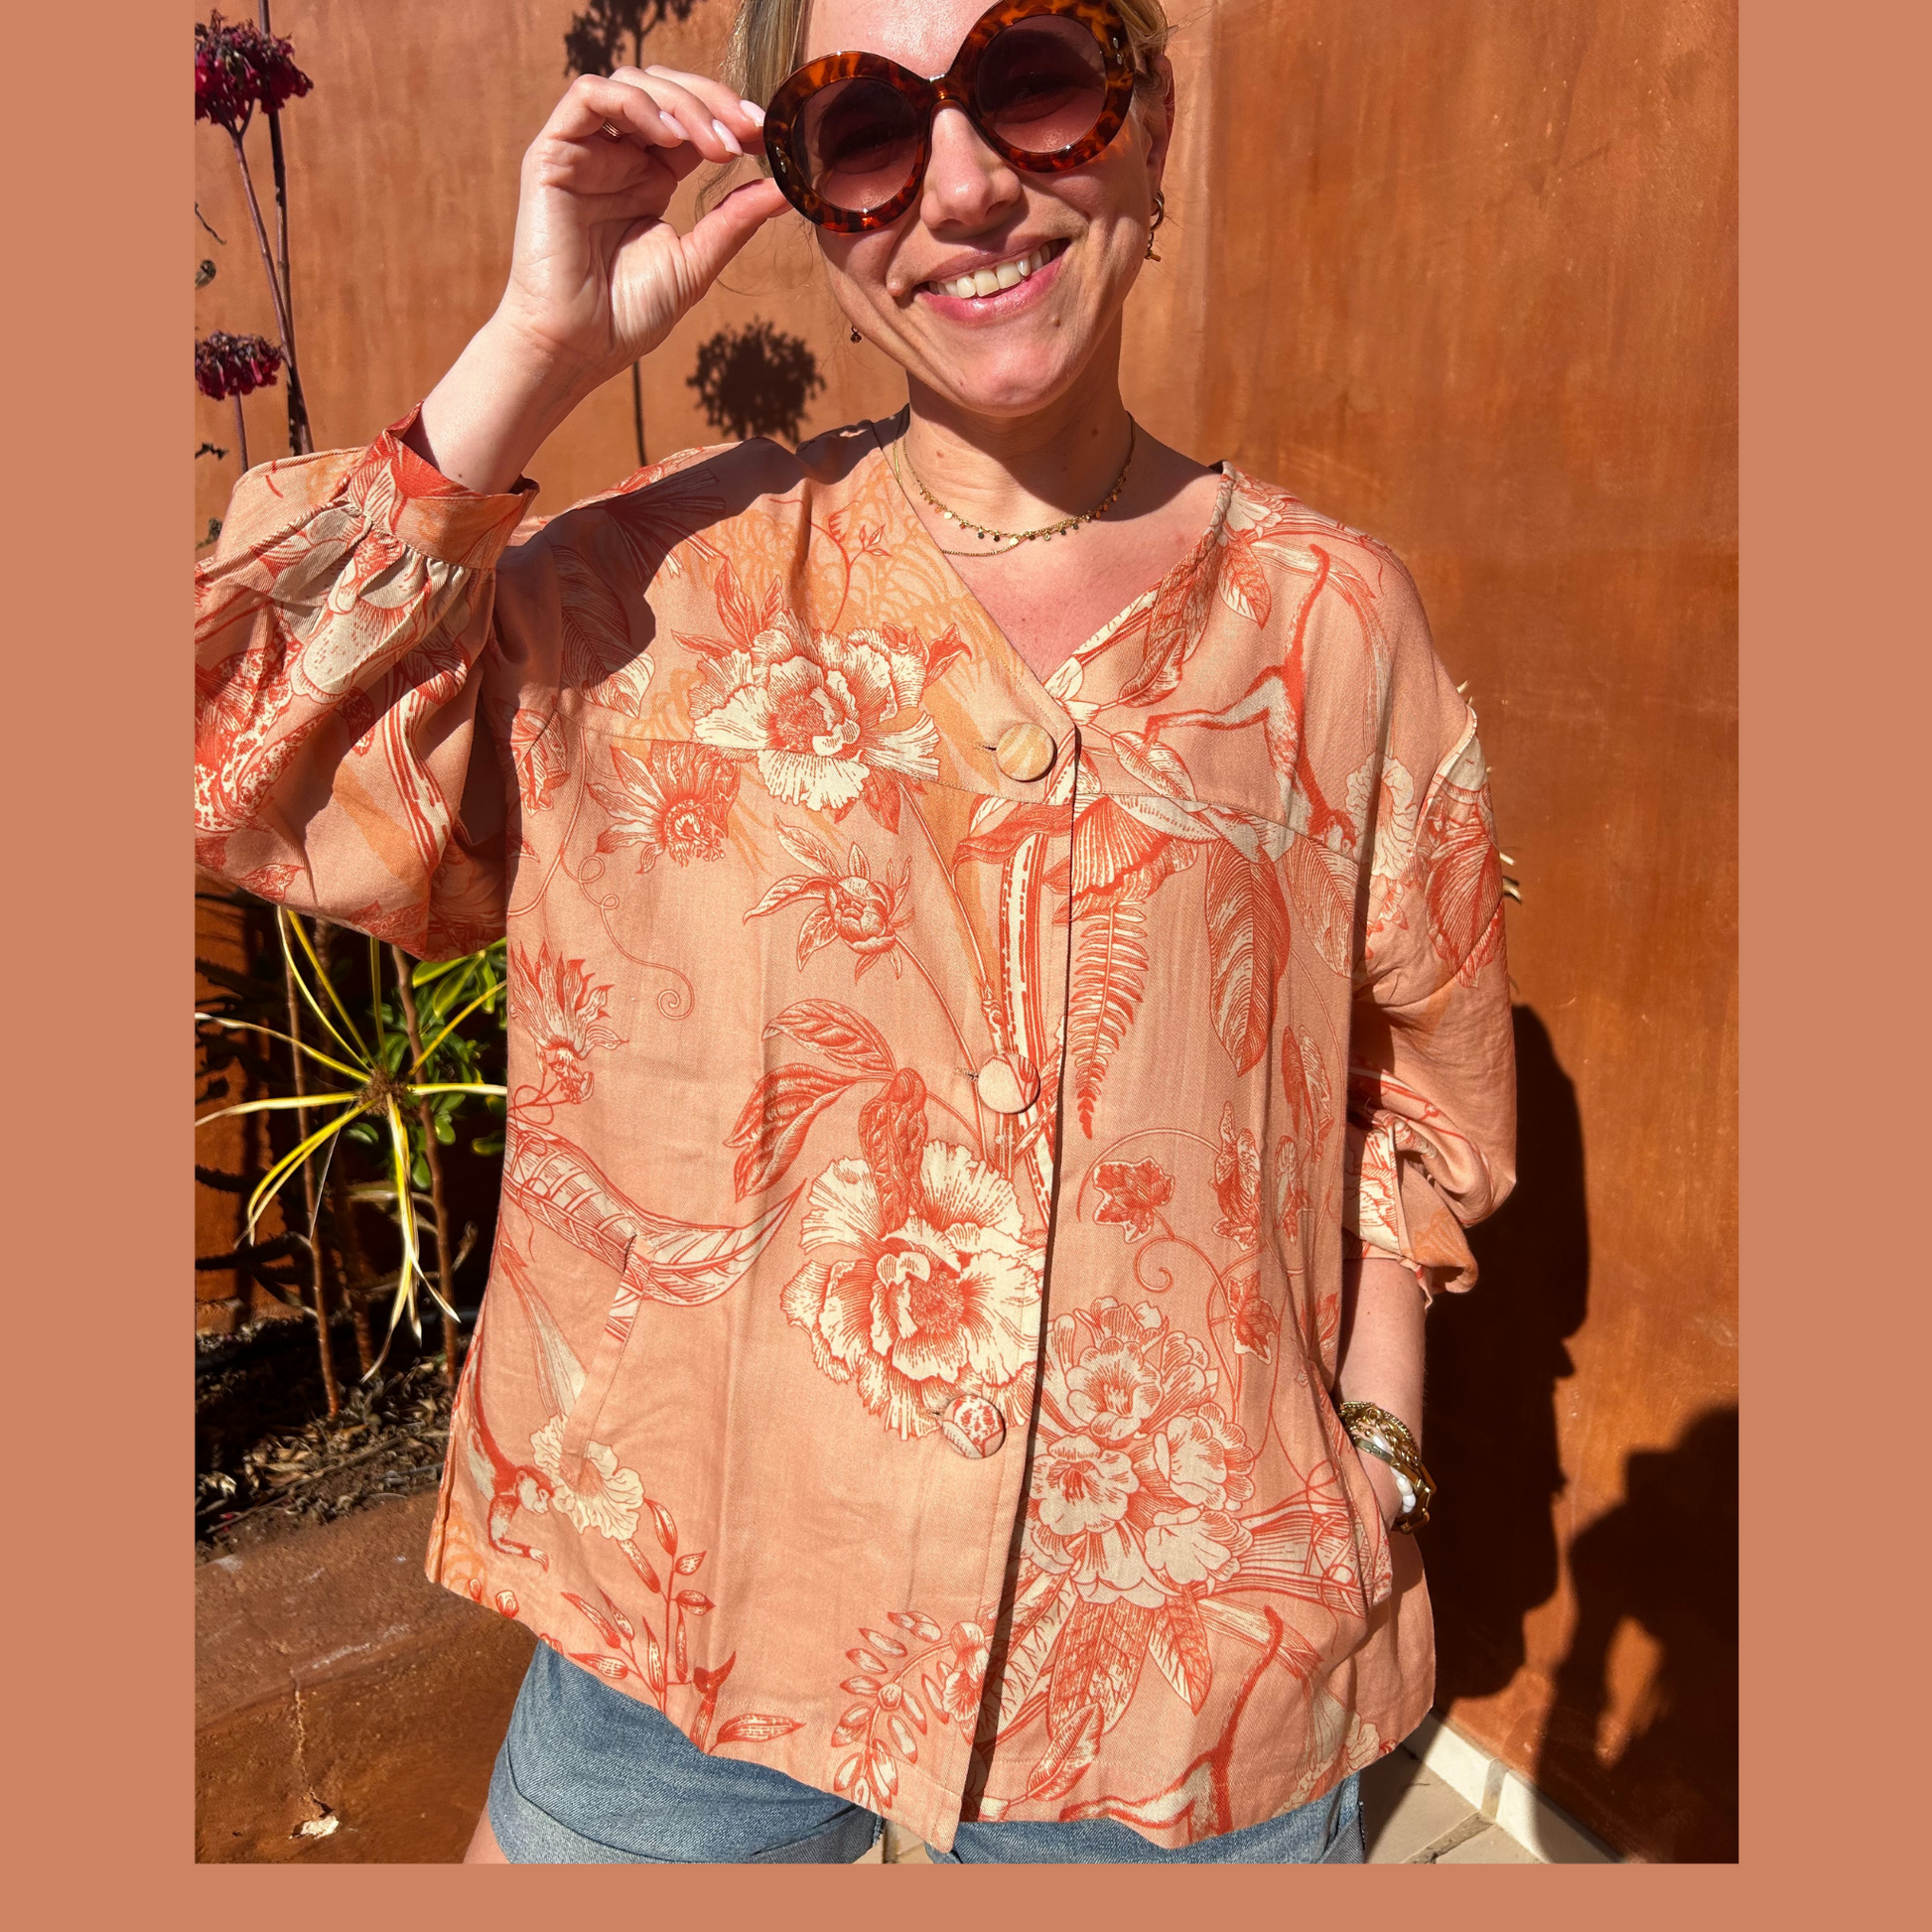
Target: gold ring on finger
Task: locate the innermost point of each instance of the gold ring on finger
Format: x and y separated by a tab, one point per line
615	133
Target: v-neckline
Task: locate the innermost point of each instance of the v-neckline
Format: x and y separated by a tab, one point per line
1029	679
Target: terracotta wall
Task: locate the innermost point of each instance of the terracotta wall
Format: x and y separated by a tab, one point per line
1463	275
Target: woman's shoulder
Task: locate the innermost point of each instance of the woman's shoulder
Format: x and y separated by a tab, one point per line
1340	592
760	466
1279	526
714	483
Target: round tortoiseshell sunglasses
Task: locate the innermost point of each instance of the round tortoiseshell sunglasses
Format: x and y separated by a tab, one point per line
1045	83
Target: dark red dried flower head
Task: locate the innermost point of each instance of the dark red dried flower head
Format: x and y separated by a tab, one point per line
234	365
238	68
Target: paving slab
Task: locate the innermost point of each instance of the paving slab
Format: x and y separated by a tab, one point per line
1407	1809
1490	1846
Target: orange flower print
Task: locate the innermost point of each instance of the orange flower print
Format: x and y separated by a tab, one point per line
1237	1183
847	902
1081	1490
1131	1194
935	1304
1139	1474
1254	1322
600	1497
555	1001
965	1676
820	711
673	803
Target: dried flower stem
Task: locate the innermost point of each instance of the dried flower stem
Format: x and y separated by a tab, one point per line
301	441
242	439
319	1273
283	330
433	1159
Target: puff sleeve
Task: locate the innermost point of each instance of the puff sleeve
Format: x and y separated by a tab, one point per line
1431	1137
353	706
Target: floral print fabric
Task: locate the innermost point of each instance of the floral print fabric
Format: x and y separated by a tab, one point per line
908	1353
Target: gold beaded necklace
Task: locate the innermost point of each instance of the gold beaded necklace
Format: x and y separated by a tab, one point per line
1012	539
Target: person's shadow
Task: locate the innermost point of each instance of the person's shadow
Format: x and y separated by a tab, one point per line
1641	1742
1495	1358
1660	1745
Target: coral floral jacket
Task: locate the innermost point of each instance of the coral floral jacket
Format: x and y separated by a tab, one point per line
941	1102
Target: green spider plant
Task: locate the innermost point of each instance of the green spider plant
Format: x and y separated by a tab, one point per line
385	1084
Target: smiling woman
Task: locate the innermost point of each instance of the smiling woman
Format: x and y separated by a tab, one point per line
1039	903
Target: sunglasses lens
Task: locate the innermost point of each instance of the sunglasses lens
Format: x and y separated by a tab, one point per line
1041	83
857	143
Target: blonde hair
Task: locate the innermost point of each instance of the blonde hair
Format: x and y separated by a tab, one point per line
767	42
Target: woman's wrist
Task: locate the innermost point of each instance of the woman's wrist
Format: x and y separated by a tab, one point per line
1380	1357
494	409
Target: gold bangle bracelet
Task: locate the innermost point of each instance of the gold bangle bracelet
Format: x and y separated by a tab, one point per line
1372	1428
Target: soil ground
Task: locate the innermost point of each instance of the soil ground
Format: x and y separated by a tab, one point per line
267	1461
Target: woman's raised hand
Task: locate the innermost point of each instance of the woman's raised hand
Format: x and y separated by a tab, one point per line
599	276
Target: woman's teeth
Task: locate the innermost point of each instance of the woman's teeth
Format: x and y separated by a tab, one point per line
1003	275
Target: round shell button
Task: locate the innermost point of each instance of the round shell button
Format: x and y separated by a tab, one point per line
1008	1086
973	1426
1025	753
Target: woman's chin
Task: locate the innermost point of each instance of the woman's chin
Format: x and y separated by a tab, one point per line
1018	382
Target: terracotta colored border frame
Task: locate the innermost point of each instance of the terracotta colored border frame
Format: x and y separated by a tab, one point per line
98	1583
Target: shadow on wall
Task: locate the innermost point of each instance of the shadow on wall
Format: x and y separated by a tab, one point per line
1495	1358
1664	1561
612	33
1657	1776
755	381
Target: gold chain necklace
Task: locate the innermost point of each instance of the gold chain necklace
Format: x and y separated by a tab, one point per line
1012	539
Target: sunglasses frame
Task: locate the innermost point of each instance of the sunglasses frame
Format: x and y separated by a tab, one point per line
953	88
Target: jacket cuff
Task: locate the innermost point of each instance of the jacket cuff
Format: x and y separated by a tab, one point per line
399	491
1392	1210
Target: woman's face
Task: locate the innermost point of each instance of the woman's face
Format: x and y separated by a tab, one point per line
1017	352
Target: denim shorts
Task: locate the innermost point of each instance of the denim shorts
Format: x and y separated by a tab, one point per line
589	1776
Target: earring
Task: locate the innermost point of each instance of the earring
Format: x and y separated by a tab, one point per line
856	337
1159	216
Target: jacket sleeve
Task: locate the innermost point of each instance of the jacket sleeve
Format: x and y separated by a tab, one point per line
1431	1144
354	701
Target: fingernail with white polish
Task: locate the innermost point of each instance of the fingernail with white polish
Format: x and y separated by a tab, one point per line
754	110
727	136
674	124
